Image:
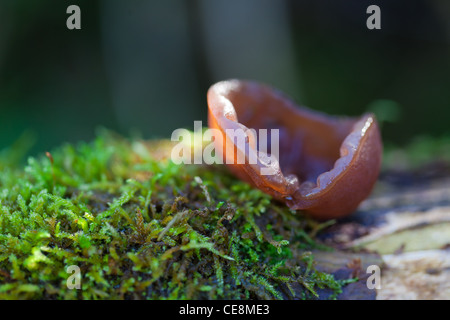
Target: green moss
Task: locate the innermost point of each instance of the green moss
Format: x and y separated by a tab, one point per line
140	227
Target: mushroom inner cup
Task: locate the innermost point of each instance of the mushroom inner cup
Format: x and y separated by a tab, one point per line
326	165
309	141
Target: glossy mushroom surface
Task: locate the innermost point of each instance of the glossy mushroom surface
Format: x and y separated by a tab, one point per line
326	166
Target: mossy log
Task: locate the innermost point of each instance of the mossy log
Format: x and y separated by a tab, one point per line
138	226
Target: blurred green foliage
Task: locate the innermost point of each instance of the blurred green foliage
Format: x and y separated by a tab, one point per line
61	84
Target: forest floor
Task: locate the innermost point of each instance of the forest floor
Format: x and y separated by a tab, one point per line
132	225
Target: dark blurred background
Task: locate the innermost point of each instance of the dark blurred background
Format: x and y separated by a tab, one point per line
145	66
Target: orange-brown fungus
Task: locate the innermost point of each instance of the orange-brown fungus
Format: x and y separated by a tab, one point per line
327	165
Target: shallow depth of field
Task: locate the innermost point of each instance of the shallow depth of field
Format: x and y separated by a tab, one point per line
86	180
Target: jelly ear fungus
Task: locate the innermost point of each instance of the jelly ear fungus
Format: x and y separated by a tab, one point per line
327	165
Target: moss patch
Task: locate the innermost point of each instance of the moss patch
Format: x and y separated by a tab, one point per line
139	227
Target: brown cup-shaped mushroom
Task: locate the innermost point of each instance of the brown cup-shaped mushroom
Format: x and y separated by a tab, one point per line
327	165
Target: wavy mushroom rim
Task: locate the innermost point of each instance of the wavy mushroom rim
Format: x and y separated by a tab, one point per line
287	187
